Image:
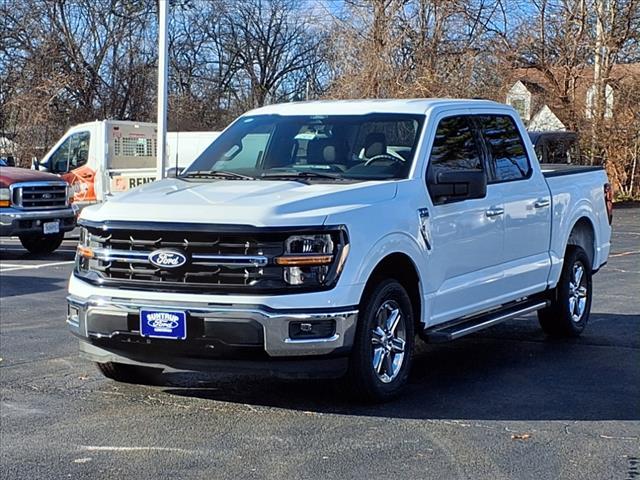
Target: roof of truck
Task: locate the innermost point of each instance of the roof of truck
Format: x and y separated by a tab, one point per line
114	122
346	107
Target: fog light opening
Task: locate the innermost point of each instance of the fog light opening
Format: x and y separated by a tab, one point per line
299	330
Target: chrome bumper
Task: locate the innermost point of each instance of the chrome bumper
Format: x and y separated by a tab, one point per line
100	318
10	218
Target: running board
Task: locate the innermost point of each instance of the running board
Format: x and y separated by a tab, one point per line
459	328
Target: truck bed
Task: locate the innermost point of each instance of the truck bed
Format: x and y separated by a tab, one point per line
559	169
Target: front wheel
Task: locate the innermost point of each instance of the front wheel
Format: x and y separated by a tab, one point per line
37	244
383	348
568	314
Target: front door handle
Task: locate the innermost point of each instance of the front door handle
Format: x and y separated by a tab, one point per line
494	212
542	203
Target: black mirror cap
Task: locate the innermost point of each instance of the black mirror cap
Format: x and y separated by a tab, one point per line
455	185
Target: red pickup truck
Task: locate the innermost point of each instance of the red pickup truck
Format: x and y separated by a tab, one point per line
35	206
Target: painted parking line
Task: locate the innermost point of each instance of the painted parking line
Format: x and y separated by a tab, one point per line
14	268
624	254
60	250
107	448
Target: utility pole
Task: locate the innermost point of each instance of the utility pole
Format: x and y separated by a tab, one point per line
163	76
598	105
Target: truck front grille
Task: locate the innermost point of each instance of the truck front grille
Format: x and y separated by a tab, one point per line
215	261
40	195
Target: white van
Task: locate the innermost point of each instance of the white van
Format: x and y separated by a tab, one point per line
104	157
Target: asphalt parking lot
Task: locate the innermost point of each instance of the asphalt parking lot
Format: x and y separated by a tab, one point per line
505	403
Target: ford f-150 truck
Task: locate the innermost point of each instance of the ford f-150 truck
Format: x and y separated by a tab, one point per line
35	206
321	238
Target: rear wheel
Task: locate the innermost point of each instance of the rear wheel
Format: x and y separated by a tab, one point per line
41	243
383	347
568	314
122	372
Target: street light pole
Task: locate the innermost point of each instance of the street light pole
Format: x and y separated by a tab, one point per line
163	76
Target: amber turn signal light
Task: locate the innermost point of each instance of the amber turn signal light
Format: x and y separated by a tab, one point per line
302	260
85	252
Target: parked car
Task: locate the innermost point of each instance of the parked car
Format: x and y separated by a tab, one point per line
319	238
35	206
102	158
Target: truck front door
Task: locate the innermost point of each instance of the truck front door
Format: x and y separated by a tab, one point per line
70	161
467	235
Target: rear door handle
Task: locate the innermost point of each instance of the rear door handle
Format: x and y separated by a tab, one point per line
494	212
542	203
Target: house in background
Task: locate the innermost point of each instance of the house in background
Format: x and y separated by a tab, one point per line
543	107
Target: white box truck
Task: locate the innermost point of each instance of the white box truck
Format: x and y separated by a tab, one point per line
105	157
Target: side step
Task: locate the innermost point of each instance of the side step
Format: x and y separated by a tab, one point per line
465	326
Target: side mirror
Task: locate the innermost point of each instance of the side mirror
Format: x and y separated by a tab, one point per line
35	165
455	185
11	162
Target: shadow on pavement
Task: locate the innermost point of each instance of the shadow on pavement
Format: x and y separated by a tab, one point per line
16	254
500	375
30	285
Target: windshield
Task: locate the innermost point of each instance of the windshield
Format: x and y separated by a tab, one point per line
376	146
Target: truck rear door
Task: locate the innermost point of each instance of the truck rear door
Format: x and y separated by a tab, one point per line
527	204
132	155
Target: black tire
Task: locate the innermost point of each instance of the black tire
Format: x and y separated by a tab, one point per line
366	383
568	314
122	372
41	243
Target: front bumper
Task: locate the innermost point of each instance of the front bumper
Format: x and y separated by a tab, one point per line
14	221
215	332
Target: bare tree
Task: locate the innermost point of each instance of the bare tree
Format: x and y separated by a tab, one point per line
268	42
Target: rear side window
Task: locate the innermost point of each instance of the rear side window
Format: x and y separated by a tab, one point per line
455	147
507	154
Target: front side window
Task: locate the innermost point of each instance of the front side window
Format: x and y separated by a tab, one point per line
507	153
377	146
71	154
455	146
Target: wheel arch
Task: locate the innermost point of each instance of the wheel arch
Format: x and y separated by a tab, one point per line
583	234
401	267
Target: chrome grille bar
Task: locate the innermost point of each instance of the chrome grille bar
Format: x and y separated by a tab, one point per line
40	195
139	256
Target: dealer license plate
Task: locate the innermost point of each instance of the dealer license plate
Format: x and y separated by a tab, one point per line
163	324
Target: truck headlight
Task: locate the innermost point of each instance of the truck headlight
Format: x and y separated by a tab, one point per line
5	197
84	252
313	260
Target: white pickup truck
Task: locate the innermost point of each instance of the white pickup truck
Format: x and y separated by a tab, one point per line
320	238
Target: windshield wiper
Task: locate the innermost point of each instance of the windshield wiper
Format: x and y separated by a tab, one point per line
217	174
300	176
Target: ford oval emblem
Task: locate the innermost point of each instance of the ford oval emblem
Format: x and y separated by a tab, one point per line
167	258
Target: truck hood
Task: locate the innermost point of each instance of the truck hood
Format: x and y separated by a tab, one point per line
11	175
252	202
